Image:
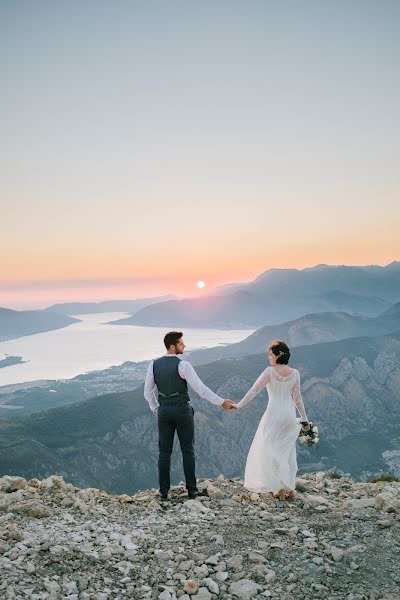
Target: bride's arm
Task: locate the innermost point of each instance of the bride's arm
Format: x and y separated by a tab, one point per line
255	389
297	399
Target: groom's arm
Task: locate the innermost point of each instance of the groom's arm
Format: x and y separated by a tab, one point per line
187	372
150	389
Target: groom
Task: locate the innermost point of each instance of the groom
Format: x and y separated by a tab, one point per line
166	391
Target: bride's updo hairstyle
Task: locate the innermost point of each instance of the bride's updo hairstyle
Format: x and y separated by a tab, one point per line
281	351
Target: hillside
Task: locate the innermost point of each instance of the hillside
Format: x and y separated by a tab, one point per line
281	295
392	311
309	329
26	398
130	306
18	323
350	388
60	541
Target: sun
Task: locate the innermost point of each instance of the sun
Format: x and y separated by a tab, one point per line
201	284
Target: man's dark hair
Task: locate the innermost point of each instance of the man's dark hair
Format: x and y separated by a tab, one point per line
172	338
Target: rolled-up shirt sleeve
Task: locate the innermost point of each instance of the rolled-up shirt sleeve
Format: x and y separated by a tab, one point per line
187	372
150	389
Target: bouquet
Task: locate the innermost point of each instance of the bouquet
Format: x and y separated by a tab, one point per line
310	437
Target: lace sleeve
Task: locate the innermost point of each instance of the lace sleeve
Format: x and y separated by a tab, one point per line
297	399
255	389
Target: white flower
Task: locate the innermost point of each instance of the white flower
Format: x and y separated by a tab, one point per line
315	429
316	440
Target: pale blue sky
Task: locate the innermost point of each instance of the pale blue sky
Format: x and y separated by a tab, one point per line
238	123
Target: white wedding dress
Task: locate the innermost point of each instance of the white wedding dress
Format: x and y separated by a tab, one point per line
271	463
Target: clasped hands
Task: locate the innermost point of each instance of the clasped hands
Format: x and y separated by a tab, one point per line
229	405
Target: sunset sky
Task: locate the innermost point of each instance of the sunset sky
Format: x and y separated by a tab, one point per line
147	145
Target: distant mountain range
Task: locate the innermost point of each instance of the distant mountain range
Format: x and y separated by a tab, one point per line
18	323
350	388
281	295
309	329
130	306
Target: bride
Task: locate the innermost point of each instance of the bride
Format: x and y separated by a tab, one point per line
271	463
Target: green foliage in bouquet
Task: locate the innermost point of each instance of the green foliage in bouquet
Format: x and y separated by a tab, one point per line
309	437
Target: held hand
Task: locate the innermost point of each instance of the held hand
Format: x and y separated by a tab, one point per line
228	405
305	425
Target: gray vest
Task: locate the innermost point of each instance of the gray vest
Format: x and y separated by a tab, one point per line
169	383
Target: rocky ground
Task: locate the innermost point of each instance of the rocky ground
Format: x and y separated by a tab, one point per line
337	539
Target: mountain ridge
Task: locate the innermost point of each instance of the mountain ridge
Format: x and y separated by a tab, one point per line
19	323
308	329
70	308
349	389
279	295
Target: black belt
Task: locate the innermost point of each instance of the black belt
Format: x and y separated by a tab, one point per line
175	397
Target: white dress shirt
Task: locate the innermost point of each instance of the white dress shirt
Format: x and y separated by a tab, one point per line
187	372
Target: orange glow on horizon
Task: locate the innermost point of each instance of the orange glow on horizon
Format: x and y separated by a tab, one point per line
84	276
49	292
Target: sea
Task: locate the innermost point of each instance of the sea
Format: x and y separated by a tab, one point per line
93	344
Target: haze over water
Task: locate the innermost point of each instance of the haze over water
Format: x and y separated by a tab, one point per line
92	344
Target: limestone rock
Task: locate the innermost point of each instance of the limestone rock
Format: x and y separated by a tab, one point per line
212	585
244	589
54	481
195	506
202	594
235	562
361	503
163	554
32	508
92	546
10	484
388	501
337	553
